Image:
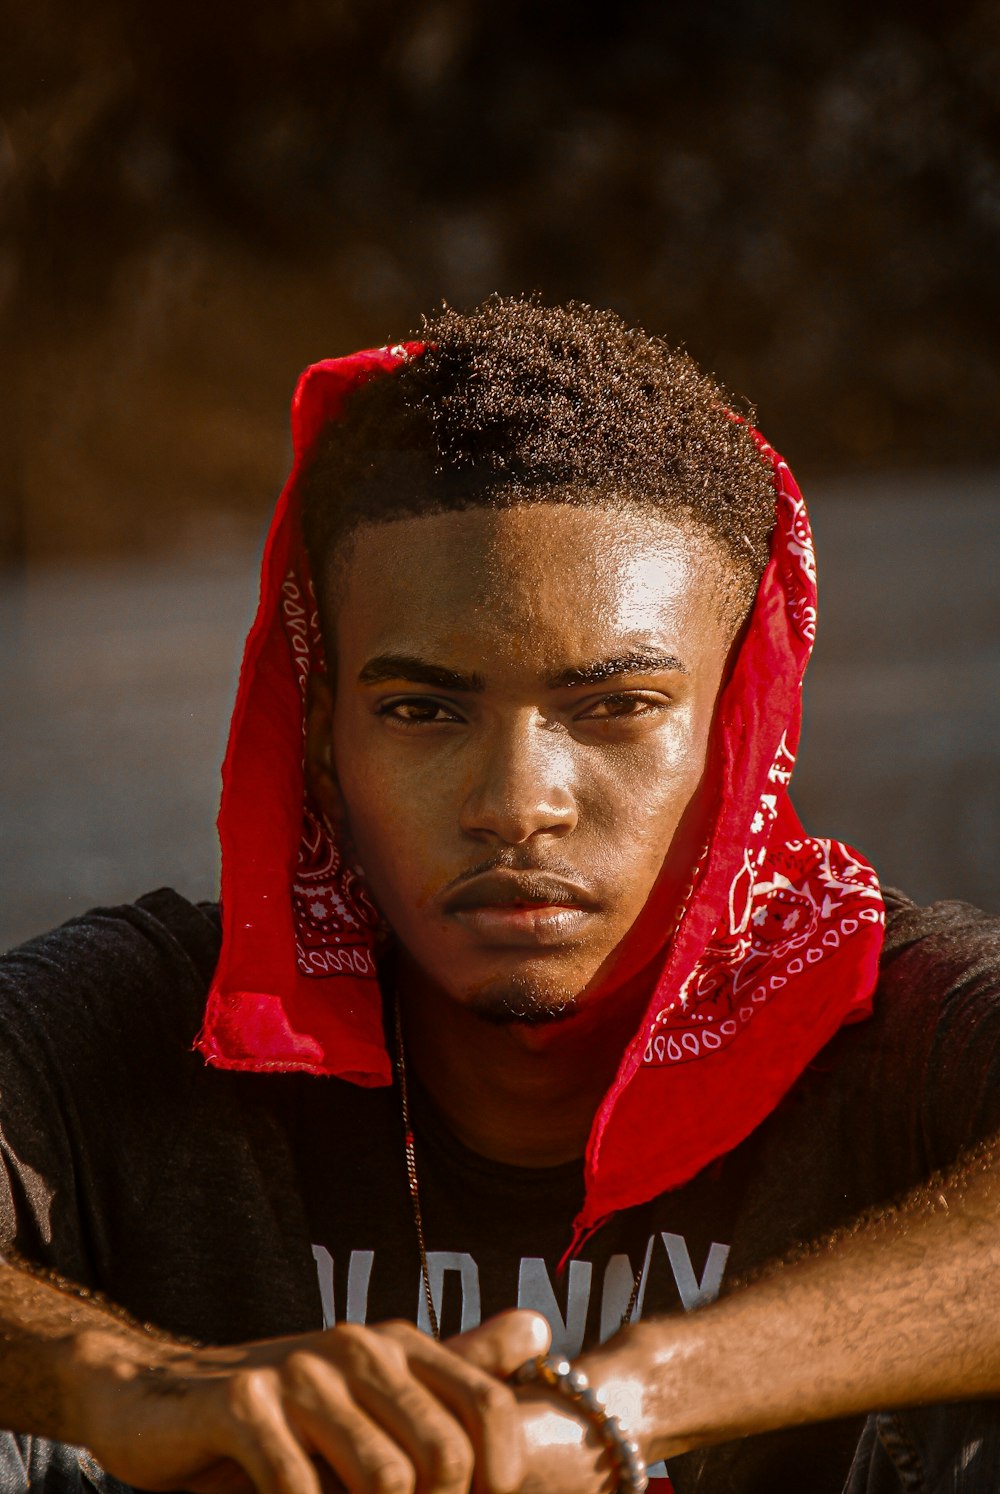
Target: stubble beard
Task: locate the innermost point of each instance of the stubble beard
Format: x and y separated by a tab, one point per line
524	1000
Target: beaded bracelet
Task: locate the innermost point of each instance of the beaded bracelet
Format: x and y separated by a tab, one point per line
560	1376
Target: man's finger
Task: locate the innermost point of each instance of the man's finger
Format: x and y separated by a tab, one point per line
265	1445
488	1411
429	1432
363	1455
477	1397
501	1344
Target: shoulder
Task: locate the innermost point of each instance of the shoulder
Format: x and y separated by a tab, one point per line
945	955
891	1099
947	935
929	1059
99	1086
148	962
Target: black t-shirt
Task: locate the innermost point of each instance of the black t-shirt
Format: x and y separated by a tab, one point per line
232	1206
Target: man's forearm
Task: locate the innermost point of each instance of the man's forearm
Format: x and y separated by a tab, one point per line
42	1328
899	1311
378	1406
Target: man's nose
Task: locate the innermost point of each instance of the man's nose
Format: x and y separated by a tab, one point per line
522	785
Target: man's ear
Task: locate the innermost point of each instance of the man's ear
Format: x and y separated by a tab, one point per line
320	773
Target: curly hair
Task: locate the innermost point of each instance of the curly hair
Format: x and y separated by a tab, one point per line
515	402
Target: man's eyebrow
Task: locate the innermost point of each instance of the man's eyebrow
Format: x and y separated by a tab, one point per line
600	670
385	667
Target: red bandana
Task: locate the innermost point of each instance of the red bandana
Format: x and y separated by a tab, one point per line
777	945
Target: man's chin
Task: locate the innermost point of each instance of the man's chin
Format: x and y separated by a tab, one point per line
525	1002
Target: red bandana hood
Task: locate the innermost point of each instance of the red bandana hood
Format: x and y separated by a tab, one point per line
776	948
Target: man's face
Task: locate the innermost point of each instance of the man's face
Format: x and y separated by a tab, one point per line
520	726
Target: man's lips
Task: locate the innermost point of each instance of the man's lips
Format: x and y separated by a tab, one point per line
521	909
518	890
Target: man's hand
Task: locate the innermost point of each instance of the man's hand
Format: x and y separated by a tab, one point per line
382	1410
386	1409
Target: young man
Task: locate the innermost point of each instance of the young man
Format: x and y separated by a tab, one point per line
530	993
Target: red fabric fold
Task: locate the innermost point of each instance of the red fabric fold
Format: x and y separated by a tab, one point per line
776	947
295	987
779	942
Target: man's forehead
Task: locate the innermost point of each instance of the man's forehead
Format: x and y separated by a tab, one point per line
529	558
534	595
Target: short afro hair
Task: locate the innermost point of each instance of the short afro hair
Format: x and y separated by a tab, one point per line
515	402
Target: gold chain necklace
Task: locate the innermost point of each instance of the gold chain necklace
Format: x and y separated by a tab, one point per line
411	1174
414	1186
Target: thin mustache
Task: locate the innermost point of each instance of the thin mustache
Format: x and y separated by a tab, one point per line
539	879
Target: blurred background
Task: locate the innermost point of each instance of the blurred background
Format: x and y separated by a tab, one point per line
196	201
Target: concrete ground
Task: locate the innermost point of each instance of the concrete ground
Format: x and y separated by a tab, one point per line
117	683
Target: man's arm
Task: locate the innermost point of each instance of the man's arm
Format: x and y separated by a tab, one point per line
901	1310
386	1408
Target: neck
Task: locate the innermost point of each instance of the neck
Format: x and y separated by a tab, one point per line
520	1093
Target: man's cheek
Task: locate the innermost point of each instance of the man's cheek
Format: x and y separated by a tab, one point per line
402	866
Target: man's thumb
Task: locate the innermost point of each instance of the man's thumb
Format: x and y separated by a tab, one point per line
501	1344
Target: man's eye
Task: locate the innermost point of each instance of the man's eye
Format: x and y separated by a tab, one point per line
623	707
416	712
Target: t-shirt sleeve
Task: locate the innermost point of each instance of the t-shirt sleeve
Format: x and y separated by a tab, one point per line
890	1100
945	962
939	1051
87	1013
